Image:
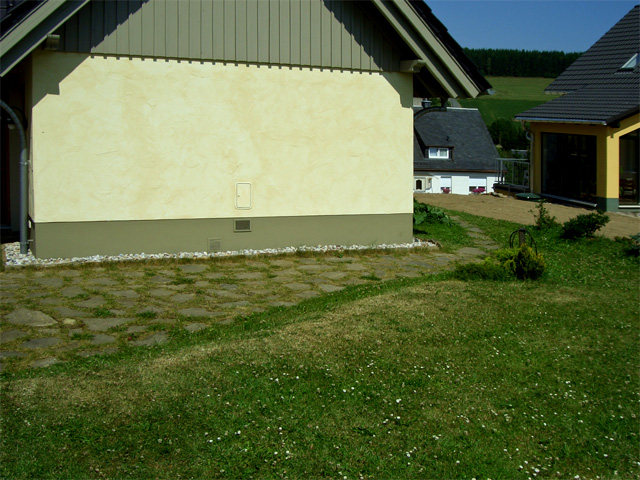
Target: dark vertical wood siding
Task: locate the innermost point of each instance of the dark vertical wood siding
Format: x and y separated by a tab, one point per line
316	33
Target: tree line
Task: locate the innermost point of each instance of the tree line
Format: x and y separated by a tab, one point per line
520	63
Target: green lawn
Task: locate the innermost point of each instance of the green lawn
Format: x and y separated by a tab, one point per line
512	96
415	378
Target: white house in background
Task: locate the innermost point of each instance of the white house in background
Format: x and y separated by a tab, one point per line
452	152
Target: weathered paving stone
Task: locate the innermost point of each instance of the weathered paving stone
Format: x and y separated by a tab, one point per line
195	327
340	259
69	312
249	275
102	324
92	302
75	331
282	263
471	251
9	354
41	342
125	294
330	288
102	339
307	294
161	292
355	267
73	291
137	329
160	279
241	303
91	353
50	282
101	281
49	301
279	303
192	268
183	297
333	275
69	273
10	335
313	268
297	286
223	294
197	312
154	339
214	275
30	318
38	294
44	362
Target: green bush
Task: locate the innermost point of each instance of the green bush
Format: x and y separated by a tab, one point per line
522	263
630	244
426	214
544	220
584	225
487	270
508	134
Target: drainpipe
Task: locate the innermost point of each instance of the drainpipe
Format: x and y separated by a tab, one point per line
24	194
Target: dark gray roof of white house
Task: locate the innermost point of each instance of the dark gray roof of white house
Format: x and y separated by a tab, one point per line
598	90
462	130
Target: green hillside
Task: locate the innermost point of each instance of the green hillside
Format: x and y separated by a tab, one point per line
512	96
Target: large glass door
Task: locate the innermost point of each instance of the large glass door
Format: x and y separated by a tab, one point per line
569	166
629	169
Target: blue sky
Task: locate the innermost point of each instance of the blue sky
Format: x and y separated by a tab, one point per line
565	25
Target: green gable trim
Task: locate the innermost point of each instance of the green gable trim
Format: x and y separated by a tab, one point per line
27	35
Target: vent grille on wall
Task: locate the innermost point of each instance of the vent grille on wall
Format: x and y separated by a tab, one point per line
215	245
242	226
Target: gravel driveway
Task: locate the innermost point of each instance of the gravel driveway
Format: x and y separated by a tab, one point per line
521	211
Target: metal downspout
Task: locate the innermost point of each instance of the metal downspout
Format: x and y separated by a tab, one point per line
24	192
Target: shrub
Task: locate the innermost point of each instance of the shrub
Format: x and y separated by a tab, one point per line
544	220
584	225
487	270
522	263
630	244
528	264
425	214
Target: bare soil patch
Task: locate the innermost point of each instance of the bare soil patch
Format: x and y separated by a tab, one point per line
523	212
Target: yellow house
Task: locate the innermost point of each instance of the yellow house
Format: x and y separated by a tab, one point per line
585	146
208	125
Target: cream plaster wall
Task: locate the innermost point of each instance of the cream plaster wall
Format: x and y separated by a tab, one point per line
141	139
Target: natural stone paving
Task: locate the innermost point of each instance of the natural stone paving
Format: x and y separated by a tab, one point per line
55	314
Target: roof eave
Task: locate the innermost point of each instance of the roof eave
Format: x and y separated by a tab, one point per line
560	120
24	37
437	59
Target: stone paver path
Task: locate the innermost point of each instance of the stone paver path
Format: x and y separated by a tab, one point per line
55	314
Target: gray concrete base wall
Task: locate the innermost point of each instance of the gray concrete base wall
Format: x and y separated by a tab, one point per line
78	239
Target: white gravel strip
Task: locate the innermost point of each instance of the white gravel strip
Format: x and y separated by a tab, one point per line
15	259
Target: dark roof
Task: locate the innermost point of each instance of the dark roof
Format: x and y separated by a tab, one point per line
597	89
441	32
459	128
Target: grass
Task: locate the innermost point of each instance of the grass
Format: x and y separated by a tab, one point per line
412	378
512	96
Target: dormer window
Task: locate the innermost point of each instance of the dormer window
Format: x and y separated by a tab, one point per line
439	153
631	64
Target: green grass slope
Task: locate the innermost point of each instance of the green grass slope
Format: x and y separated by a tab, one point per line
512	96
416	378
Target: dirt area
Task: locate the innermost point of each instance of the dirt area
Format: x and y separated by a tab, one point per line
521	211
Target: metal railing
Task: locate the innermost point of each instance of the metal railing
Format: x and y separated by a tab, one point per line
514	173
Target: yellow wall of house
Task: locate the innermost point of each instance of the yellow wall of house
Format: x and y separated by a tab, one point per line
142	139
608	154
